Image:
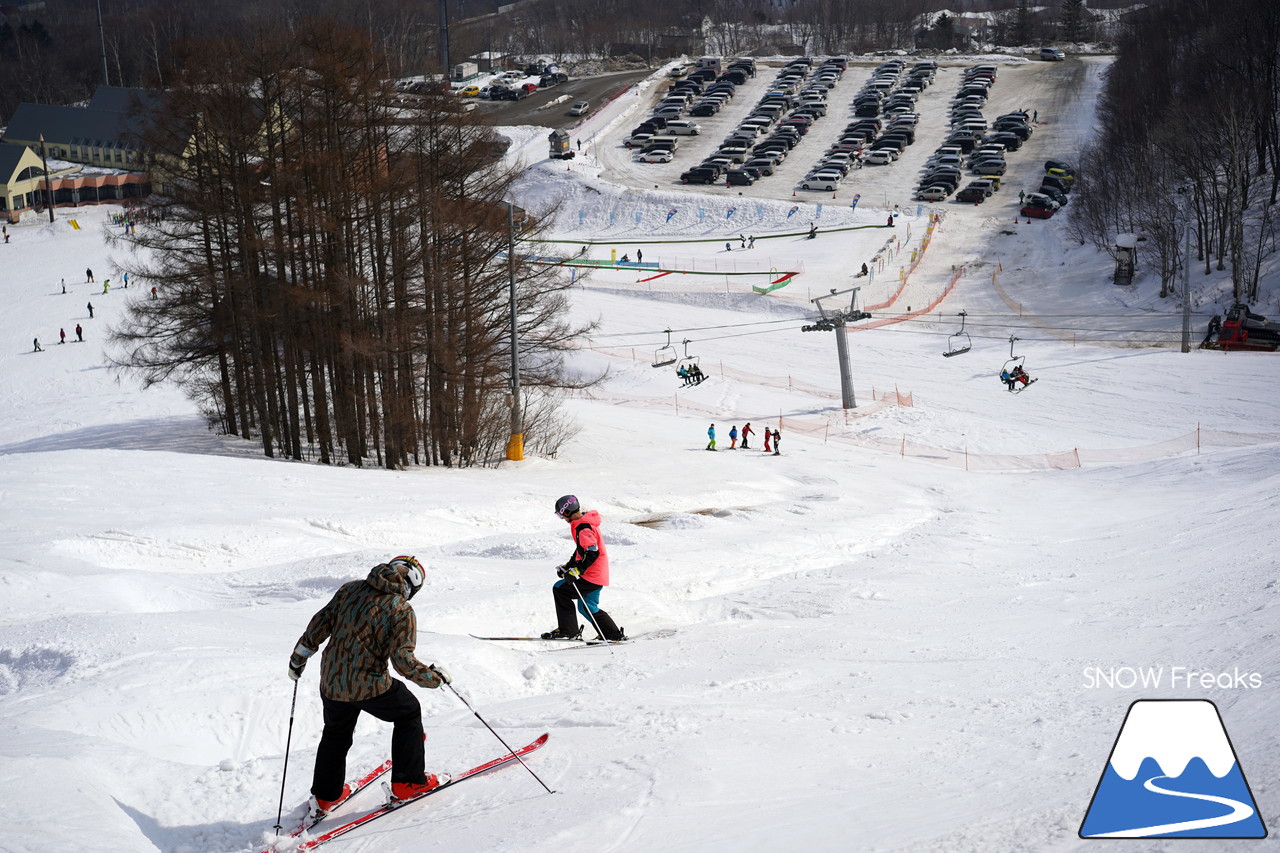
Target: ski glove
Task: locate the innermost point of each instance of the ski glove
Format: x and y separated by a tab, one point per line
298	661
567	571
441	673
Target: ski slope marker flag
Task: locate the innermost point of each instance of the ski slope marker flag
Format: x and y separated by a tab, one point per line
1172	773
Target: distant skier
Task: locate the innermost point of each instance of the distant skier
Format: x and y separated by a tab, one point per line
711	437
751	242
62	336
813	232
864	270
582	577
37	345
743	239
767	436
733	437
90	307
889	224
106	285
747	432
79	333
777	443
366	623
64	285
88	275
126	281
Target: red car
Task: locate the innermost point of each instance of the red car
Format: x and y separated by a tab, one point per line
530	87
1037	212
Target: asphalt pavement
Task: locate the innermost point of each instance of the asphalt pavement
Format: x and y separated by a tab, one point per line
534	110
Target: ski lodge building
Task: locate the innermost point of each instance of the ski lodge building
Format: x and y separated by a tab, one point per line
94	153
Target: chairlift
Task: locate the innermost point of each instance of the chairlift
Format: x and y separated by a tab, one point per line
960	342
1012	366
689	361
666	355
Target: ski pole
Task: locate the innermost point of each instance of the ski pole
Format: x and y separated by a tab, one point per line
499	737
285	773
587	608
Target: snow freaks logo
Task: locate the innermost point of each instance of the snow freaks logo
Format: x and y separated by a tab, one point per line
1172	773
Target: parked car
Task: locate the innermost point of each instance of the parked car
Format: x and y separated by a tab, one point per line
530	88
936	192
824	184
990	167
701	175
1040	200
684	127
973	195
1062	175
880	157
1009	140
579	108
1059	164
470	91
1036	212
1054	183
739	178
760	165
984	185
1052	54
1057	195
658	155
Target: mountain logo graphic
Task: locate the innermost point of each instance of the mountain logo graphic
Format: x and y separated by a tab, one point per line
1172	773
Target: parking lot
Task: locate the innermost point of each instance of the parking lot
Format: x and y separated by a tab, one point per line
1037	87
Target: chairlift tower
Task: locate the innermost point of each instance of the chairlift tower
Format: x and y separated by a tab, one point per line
835	320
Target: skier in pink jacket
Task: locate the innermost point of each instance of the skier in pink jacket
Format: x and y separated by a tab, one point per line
582	578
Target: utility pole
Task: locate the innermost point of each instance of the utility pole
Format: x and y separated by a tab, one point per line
102	42
1186	268
444	40
835	320
48	187
515	444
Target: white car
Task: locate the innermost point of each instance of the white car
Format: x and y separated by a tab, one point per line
662	155
933	193
579	108
827	184
879	157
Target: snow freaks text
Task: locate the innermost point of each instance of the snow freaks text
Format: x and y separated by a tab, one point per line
1174	677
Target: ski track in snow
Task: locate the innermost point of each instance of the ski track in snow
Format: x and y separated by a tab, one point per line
873	653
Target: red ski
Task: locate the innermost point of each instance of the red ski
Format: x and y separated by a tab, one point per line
395	805
311	820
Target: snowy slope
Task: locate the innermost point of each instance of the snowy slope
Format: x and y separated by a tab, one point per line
875	649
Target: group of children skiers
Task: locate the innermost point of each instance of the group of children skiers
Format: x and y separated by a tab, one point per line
746	434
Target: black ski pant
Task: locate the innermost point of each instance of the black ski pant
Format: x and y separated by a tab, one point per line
566	591
398	706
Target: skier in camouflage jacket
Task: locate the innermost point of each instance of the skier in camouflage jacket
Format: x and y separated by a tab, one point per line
367	623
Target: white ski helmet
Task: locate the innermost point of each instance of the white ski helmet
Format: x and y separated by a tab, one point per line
412	572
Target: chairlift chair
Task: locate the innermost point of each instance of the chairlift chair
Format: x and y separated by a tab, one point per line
665	355
960	342
1013	362
688	361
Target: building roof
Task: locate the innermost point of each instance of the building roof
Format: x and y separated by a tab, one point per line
108	122
11	159
121	99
